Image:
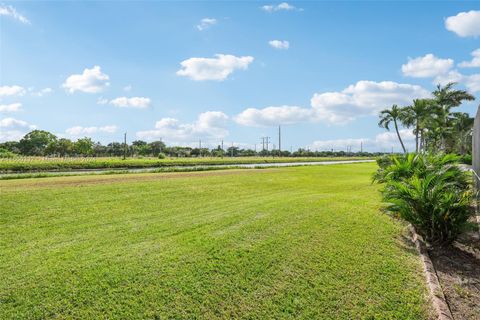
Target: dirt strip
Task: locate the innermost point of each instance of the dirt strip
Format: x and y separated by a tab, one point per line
436	293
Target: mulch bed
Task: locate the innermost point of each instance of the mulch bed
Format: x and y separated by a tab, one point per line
458	270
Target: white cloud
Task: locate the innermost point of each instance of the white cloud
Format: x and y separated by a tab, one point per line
79	130
12	129
284	6
363	98
6	91
43	92
11	12
426	66
382	142
218	68
273	116
206	23
133	102
12	107
209	125
279	44
474	63
90	81
471	82
464	24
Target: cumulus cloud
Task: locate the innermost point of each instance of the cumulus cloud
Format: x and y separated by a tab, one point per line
284	6
124	102
206	23
382	142
279	44
79	130
12	107
218	68
464	24
10	11
363	98
209	125
474	63
426	66
272	116
12	129
6	91
90	81
42	92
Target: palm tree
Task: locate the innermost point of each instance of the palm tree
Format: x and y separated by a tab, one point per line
447	97
462	126
388	116
417	115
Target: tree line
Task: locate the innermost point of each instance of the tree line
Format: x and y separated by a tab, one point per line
44	143
435	124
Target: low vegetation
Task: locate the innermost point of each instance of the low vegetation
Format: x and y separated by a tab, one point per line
303	243
28	164
432	192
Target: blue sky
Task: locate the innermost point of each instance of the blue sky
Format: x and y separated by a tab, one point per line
184	71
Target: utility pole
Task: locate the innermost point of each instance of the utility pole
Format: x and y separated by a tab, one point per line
231	152
223	151
124	146
200	147
279	141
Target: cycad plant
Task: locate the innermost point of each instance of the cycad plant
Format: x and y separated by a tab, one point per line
429	191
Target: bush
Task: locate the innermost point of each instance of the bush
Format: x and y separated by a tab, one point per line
466	159
4	153
161	155
429	191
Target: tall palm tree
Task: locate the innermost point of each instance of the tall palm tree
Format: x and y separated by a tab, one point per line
388	116
447	97
417	115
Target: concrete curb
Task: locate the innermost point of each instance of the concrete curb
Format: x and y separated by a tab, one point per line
436	293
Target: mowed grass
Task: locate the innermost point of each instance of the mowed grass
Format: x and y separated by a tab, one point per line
302	242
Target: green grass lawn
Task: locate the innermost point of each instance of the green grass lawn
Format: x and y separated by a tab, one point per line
302	242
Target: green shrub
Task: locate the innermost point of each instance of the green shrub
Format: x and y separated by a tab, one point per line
161	155
466	159
4	153
429	191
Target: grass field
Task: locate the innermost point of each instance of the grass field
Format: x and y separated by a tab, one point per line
26	164
300	242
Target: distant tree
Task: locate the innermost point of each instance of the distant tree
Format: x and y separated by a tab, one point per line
84	146
115	149
156	147
61	147
35	142
12	146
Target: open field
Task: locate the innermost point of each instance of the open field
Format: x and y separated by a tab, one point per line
25	164
300	242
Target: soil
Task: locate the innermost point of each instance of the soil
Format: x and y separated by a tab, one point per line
458	270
